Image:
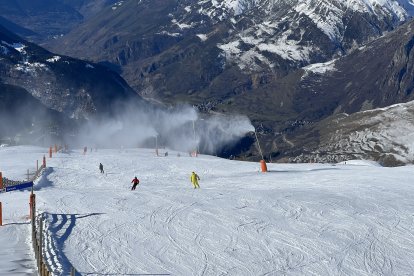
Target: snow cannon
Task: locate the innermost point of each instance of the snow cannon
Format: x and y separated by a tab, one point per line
263	165
262	162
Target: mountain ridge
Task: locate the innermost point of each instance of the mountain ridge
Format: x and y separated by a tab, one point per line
289	65
63	89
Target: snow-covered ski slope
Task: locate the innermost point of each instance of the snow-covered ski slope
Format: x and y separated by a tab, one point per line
298	219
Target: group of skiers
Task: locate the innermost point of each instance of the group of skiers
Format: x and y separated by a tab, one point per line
194	178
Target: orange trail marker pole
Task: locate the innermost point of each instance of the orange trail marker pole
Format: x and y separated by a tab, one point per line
1	180
50	152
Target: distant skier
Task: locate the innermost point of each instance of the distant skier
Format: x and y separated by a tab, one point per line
135	182
101	168
194	179
85	150
166	154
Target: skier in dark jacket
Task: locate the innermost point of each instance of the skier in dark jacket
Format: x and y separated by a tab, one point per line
135	182
101	168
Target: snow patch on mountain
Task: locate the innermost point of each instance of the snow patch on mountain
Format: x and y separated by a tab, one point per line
30	68
250	61
321	68
169	34
235	5
327	18
287	48
259	45
245	60
117	5
202	37
53	59
182	26
20	47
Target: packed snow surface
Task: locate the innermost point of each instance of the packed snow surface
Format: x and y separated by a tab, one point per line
353	218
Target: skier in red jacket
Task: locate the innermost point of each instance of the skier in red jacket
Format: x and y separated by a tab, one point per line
135	182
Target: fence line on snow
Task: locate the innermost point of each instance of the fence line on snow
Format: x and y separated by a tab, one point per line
30	176
38	232
39	243
37	221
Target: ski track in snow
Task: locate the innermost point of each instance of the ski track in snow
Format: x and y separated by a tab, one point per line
298	219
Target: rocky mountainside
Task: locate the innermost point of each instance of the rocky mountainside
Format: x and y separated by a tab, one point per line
47	19
289	65
89	8
376	75
157	43
260	58
384	135
54	84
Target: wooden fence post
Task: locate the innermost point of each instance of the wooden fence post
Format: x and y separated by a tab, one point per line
32	215
32	204
41	266
40	240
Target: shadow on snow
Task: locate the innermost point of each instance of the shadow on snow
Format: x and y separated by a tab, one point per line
60	226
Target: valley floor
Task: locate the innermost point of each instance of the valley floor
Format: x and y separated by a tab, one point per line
298	219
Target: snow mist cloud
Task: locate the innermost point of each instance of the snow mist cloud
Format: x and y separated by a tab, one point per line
180	128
